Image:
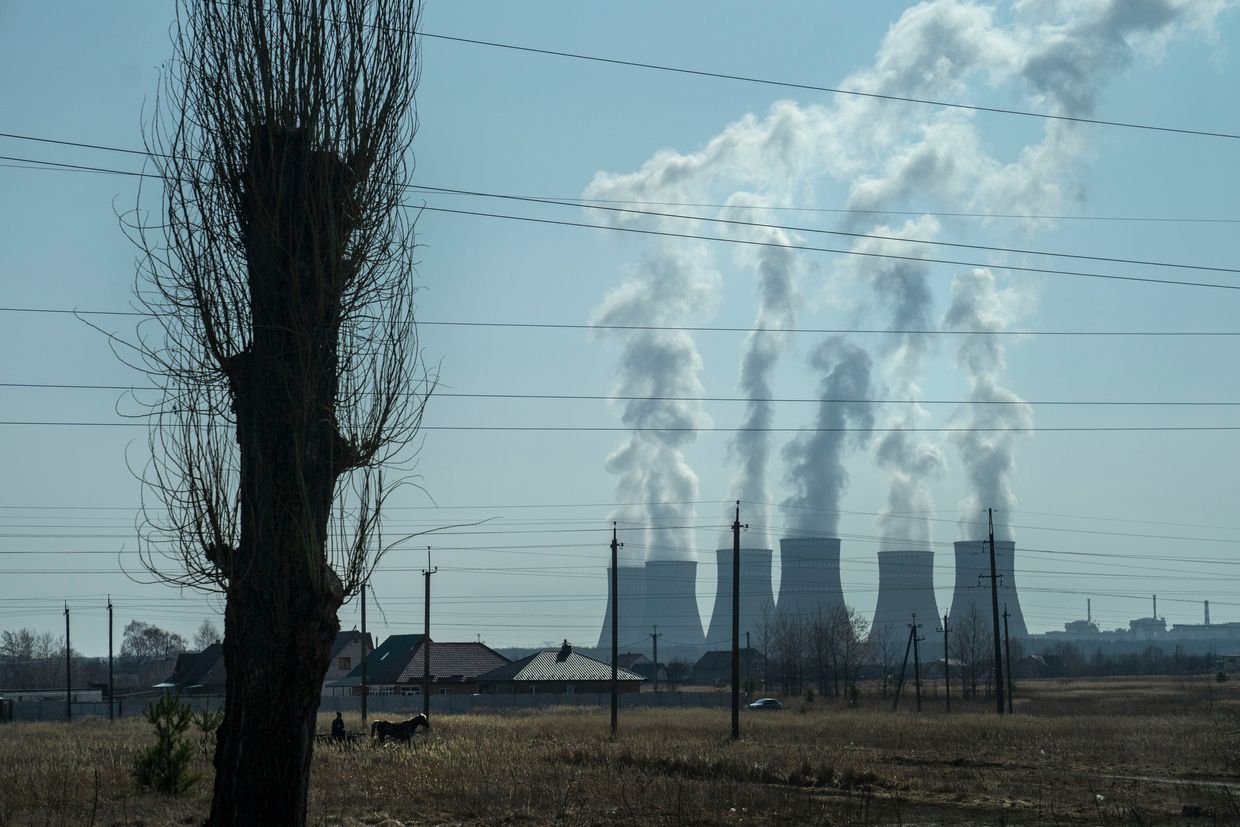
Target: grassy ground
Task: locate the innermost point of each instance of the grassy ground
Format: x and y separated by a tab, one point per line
1093	752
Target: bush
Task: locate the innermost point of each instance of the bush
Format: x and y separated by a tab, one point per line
164	766
1221	677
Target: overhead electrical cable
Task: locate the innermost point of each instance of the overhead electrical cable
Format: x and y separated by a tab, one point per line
568	397
806	247
825	331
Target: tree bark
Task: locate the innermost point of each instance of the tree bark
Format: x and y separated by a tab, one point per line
280	620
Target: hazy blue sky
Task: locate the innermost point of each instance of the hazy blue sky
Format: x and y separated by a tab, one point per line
1155	506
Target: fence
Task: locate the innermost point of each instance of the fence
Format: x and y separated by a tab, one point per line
378	704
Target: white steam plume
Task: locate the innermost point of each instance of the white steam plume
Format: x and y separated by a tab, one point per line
815	460
997	417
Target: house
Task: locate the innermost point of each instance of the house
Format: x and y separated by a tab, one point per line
384	667
203	673
198	673
642	665
558	672
715	668
346	654
455	668
1230	663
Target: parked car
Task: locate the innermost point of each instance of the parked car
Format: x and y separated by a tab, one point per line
765	703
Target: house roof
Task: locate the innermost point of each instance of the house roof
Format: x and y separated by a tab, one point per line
385	664
205	668
343	639
557	665
722	658
627	660
452	660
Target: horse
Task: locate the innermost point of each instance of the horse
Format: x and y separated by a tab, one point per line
398	730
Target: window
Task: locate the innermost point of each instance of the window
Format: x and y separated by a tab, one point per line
443	690
344	663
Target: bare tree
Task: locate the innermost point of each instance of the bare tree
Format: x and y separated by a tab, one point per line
851	647
146	640
279	278
206	635
971	645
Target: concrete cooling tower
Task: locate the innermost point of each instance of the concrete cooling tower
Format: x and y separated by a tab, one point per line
671	602
973	584
809	577
632	608
905	587
756	595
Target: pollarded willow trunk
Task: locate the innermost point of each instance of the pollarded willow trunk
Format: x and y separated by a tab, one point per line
283	596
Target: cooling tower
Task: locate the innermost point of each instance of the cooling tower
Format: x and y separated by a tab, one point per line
973	584
632	607
756	595
905	588
671	602
809	577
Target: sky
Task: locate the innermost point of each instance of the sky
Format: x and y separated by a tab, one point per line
1107	501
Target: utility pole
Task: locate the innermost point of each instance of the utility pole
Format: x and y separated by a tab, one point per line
365	683
903	666
994	605
736	623
68	669
748	663
947	666
913	627
426	639
615	645
111	691
655	635
1007	646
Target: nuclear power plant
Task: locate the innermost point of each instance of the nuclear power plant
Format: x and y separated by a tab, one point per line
663	593
632	606
809	581
973	583
671	602
905	589
757	595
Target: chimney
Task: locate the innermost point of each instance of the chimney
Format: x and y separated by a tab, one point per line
809	577
671	601
905	588
566	649
972	563
756	595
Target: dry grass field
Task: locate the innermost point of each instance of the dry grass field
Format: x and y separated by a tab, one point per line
1121	751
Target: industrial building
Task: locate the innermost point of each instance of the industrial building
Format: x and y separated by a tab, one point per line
757	594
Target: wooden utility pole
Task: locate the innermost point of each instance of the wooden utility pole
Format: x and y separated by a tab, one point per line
1007	646
947	666
365	682
736	624
111	685
426	639
655	635
913	627
994	605
748	665
615	645
903	667
68	669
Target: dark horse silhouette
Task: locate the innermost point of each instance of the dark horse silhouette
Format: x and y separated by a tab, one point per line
398	730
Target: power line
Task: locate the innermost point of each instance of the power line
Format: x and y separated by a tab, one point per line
741	399
44	165
781	245
830	89
831	250
711	429
708	329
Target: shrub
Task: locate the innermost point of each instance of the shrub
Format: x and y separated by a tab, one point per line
164	766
